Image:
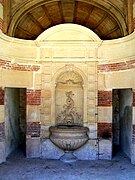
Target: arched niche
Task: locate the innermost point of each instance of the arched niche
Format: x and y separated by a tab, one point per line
69	102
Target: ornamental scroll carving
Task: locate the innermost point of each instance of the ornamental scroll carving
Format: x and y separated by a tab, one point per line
69	114
69	98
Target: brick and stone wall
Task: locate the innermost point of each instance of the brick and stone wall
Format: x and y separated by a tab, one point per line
4	64
104	98
2	127
105	130
2	114
33	125
33	97
33	129
126	65
104	125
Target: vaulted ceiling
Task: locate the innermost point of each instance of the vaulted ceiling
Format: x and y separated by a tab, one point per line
29	18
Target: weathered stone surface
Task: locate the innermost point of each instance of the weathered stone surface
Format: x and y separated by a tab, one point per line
14	78
2	152
33	148
50	151
92	131
105	149
87	152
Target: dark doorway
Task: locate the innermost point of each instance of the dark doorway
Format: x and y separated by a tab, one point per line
122	121
15	119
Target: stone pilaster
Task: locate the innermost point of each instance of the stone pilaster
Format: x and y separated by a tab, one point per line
1	14
130	16
33	123
134	14
105	124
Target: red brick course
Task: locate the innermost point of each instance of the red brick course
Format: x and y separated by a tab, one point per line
116	66
33	97
19	67
105	130
104	98
2	132
33	129
1	96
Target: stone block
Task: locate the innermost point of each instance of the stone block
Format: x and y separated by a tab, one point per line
92	131
33	147
18	79
105	114
33	113
46	94
133	153
105	149
87	152
2	152
50	151
2	113
44	131
1	11
37	83
133	110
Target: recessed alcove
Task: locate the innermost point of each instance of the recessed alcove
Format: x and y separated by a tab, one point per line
69	98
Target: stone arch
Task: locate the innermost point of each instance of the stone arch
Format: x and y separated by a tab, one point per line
69	68
69	79
72	31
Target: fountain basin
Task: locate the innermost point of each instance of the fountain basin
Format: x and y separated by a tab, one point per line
68	138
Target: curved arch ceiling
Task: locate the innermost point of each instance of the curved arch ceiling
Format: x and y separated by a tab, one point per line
30	20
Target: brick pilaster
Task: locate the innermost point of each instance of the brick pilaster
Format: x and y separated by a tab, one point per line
33	129
1	17
33	97
104	98
105	130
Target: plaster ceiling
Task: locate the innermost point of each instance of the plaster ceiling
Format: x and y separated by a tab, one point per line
105	19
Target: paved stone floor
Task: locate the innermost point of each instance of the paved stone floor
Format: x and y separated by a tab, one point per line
18	167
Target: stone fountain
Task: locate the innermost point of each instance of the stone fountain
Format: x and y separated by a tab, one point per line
68	135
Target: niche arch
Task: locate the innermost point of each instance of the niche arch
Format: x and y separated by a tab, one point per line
69	80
